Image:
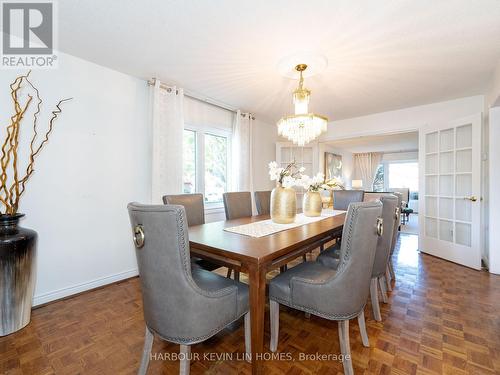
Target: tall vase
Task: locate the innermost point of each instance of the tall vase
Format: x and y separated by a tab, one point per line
283	205
312	204
17	273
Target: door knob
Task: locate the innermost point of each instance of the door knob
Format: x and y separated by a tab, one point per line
472	198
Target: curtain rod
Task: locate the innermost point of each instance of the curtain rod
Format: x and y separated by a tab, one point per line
203	99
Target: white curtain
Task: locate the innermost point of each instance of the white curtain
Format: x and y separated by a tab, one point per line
242	168
365	168
168	127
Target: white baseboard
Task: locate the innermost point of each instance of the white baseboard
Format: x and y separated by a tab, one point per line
68	291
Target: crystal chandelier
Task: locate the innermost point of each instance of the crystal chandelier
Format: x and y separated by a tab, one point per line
302	127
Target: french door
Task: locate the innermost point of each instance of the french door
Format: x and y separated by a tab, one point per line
450	186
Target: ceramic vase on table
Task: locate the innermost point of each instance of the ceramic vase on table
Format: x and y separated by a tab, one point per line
283	205
312	203
17	273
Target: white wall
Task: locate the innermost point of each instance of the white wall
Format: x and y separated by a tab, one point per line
491	172
403	120
400	156
493	98
494	183
96	161
485	188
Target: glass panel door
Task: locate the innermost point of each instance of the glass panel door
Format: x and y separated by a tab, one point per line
463	184
451	186
431	184
448	204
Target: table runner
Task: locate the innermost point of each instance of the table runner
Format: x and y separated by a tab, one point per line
267	227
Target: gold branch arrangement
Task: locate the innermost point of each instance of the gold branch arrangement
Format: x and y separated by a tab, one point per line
13	183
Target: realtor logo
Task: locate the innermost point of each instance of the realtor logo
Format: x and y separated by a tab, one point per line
28	35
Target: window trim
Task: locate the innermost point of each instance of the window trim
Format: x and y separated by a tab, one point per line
200	132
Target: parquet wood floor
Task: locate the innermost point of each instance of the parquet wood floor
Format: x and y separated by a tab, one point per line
441	319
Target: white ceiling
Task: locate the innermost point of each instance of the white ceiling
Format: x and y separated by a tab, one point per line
381	143
383	55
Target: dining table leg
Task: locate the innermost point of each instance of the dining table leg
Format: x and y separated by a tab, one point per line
257	280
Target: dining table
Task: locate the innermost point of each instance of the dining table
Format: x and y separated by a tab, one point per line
256	256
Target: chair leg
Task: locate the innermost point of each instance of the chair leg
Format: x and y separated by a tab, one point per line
146	352
274	313
248	338
362	329
185	363
237	275
229	270
304	258
383	291
321	248
283	268
374	299
391	270
388	279
345	347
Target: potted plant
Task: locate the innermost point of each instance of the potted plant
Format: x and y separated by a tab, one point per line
17	244
312	204
283	196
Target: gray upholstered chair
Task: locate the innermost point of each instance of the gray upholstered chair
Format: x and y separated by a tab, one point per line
390	275
195	213
341	201
335	294
405	194
331	257
181	305
237	204
389	215
263	202
342	198
405	210
193	204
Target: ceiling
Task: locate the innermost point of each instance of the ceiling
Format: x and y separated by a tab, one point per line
383	55
381	143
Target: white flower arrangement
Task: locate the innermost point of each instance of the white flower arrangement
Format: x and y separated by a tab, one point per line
315	183
286	177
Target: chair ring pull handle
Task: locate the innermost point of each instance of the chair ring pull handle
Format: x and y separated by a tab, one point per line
138	236
380	226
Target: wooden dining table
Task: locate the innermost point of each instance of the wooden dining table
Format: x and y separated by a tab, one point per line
258	255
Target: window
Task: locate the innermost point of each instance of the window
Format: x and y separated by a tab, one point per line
403	175
215	167
378	182
205	163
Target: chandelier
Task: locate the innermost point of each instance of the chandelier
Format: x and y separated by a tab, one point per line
302	127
